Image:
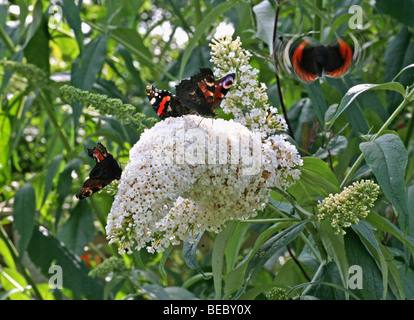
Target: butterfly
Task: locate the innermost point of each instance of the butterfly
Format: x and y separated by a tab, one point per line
311	62
200	94
105	171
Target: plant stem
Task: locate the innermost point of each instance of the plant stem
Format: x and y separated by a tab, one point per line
274	220
7	41
404	103
315	277
279	89
297	263
317	23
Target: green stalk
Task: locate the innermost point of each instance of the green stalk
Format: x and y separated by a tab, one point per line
194	279
314	278
317	23
197	11
274	220
7	41
407	100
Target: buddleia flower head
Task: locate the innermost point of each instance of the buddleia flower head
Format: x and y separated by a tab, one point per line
190	174
346	208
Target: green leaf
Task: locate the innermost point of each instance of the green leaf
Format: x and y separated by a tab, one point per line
397	58
407	275
89	63
204	25
402	70
64	185
72	16
271	246
217	260
37	49
316	180
394	277
319	104
234	244
178	293
50	175
79	229
334	246
85	69
366	235
14	284
410	202
355	91
335	146
189	253
44	250
134	43
5	134
401	10
330	273
385	225
387	158
24	215
155	292
395	52
356	253
265	17
234	278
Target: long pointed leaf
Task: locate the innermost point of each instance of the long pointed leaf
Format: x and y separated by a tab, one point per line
24	215
272	245
355	91
387	158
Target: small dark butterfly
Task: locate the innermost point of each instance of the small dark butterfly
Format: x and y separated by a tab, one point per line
200	94
311	62
105	171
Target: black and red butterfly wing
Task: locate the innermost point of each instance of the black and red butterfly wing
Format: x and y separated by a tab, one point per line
310	62
91	186
202	93
339	59
105	171
197	93
221	87
165	104
304	62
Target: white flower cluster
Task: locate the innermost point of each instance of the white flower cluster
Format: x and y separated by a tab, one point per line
247	100
191	174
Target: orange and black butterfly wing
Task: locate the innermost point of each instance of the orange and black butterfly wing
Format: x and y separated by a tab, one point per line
105	171
339	59
197	93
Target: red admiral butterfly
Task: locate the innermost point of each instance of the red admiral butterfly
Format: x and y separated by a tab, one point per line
310	62
105	171
201	94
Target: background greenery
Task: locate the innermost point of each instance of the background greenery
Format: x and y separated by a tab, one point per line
115	48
